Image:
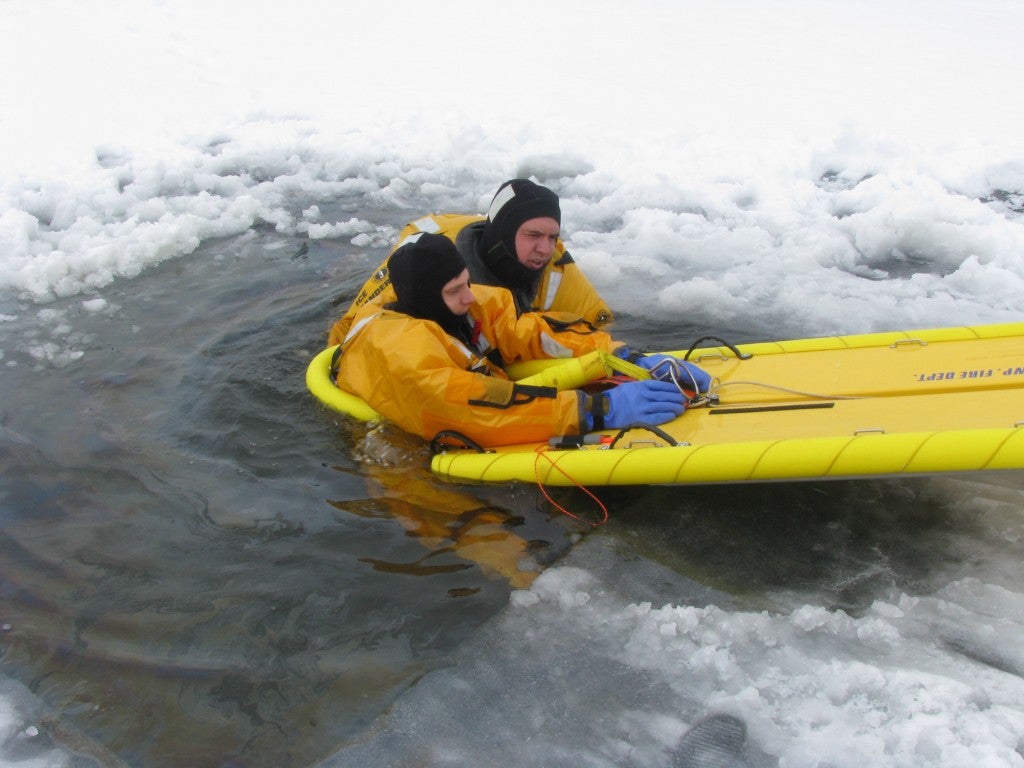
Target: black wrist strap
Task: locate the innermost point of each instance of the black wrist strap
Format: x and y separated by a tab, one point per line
599	409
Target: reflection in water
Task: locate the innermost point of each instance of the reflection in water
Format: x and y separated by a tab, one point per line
417	567
455	523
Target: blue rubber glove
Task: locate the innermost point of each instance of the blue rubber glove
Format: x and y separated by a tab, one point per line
668	368
646	402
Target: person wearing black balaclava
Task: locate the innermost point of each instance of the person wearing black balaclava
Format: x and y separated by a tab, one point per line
518	260
419	275
426	361
517	246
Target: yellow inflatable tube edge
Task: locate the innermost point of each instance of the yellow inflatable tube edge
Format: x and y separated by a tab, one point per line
839	457
318	382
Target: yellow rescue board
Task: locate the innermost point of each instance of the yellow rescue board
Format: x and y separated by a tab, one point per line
915	402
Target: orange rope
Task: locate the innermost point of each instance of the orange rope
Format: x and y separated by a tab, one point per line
541	451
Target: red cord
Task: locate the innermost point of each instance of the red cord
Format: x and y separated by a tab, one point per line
541	450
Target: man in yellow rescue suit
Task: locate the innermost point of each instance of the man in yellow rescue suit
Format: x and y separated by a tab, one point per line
516	246
432	360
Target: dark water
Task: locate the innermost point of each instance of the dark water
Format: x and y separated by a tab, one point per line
200	566
196	567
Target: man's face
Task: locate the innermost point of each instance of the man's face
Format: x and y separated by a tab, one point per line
535	242
456	294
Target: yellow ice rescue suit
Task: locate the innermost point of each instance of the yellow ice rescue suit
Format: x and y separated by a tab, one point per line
425	381
561	288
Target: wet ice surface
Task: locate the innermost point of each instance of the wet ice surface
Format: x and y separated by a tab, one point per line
609	658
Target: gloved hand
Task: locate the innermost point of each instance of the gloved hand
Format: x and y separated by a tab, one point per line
647	402
668	368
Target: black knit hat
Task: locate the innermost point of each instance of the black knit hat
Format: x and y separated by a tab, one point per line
419	269
515	202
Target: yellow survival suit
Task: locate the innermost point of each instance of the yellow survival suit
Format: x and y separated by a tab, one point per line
387	355
504	533
561	288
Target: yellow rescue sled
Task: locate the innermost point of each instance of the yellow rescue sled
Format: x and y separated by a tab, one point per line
871	405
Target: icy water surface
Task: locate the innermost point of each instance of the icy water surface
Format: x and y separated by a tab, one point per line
200	566
196	566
